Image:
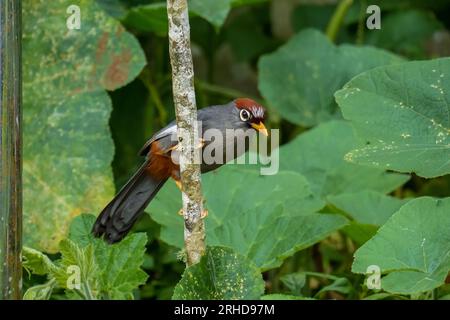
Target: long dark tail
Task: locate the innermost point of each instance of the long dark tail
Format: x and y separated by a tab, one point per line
116	220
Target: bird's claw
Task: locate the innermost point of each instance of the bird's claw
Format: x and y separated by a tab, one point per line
179	185
201	143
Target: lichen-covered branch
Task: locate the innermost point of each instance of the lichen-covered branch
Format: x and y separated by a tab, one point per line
186	117
10	151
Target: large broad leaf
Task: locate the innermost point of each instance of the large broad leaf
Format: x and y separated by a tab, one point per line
403	113
67	144
115	8
265	218
413	247
368	209
319	155
221	274
300	78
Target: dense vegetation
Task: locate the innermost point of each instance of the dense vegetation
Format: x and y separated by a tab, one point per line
364	161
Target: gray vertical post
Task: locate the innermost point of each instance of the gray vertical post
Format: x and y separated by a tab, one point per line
10	149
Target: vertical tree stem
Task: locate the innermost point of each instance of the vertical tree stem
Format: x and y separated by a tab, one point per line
186	117
10	150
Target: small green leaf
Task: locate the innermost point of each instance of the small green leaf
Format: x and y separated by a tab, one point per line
119	265
103	270
412	247
76	260
40	292
294	282
341	285
80	229
213	11
401	111
220	274
149	18
119	271
36	261
320	159
300	78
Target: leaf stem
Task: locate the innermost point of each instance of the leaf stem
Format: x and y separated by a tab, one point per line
336	20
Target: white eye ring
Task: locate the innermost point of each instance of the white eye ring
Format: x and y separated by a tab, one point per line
244	115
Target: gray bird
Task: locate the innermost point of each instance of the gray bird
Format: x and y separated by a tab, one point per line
161	162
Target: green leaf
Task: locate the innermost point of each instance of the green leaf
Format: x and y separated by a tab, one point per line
341	285
119	271
115	8
40	292
368	207
119	265
73	257
280	296
36	262
237	3
221	274
360	232
294	282
264	218
312	16
412	247
214	12
402	112
105	271
405	32
149	18
318	154
300	78
153	17
246	35
80	229
67	144
379	296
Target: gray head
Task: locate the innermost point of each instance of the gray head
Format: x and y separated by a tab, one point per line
242	113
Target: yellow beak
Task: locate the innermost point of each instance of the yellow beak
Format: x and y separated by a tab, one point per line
261	128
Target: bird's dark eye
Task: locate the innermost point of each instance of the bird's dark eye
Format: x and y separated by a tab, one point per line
245	115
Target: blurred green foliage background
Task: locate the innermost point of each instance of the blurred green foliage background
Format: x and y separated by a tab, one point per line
276	52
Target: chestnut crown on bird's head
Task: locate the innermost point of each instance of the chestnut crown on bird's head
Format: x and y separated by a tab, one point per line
252	113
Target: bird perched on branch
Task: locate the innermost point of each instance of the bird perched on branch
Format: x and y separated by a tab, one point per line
117	218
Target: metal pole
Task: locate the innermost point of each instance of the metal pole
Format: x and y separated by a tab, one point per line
10	150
